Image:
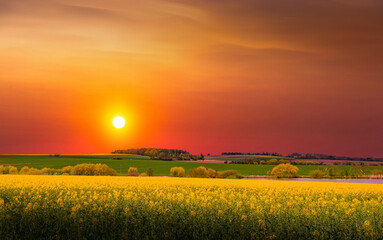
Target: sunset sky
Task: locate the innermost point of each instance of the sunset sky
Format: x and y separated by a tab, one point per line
201	75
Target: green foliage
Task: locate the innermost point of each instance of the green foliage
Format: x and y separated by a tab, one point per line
142	163
149	172
229	174
285	171
316	174
161	153
332	172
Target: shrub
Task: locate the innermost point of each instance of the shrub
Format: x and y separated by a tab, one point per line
149	172
2	169
333	171
336	163
34	171
12	170
50	171
199	172
272	162
211	173
132	170
143	175
6	170
83	169
229	173
231	177
283	161
93	169
177	172
285	171
24	170
316	173
377	172
66	169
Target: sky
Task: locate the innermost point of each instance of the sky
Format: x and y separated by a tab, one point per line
201	75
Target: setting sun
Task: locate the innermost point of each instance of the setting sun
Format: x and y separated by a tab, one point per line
118	122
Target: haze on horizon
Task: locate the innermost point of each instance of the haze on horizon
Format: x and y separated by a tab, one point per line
246	75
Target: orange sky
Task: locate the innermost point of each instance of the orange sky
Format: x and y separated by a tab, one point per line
244	75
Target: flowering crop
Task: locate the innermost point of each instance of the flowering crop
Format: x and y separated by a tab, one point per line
82	207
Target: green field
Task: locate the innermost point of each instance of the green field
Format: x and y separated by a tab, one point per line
160	168
243	157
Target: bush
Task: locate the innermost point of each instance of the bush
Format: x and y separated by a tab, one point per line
104	170
284	171
336	163
229	173
149	172
316	173
211	173
2	169
143	175
272	162
283	161
377	172
12	170
333	171
177	172
34	171
199	172
24	170
132	170
66	169
93	170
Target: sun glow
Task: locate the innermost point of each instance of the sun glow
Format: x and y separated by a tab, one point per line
118	122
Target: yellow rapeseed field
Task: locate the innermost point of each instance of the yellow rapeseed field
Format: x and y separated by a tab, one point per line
82	207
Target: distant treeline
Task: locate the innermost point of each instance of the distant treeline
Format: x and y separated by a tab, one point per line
331	157
161	153
306	156
249	153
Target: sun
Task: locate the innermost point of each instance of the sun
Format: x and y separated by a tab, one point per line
118	122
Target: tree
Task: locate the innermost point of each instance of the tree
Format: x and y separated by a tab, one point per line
285	171
149	172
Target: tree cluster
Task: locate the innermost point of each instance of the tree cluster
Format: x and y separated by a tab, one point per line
161	153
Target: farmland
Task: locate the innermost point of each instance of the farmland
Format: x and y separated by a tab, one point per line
161	168
79	207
